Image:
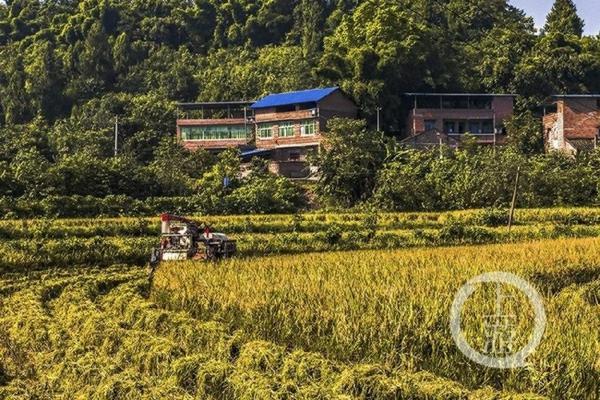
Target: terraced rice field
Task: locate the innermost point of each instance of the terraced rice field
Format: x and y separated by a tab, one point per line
79	319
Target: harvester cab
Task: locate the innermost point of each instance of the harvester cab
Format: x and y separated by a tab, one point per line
183	239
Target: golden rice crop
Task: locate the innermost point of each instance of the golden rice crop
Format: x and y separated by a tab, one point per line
273	224
127	241
392	307
329	325
94	335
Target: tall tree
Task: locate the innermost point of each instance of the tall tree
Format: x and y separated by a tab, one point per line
309	19
563	19
14	98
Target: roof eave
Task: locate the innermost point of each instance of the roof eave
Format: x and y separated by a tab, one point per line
463	94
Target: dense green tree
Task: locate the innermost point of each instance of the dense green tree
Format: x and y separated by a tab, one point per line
30	173
563	19
378	53
243	74
310	16
15	101
525	133
45	82
349	161
500	50
68	69
556	64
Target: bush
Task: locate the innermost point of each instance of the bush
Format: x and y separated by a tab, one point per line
493	217
262	195
333	235
457	232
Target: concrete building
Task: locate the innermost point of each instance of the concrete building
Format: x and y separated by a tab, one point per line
572	123
282	127
215	126
444	118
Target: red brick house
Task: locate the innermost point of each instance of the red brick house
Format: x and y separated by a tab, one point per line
572	123
284	127
444	118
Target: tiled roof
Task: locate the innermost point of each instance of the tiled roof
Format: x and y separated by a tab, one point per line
286	99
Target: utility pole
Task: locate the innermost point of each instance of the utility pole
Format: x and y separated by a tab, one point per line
511	216
116	136
378	119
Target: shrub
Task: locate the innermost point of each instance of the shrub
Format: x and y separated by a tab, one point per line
457	232
493	217
333	235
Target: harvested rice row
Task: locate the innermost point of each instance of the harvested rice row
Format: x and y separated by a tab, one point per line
99	338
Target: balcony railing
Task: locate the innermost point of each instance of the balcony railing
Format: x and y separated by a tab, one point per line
481	137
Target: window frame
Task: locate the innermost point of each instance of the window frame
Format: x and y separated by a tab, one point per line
191	133
262	128
309	125
286	129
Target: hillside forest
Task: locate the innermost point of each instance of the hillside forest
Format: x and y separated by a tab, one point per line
69	68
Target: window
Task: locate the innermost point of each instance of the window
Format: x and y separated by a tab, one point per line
215	132
308	128
286	129
487	126
265	131
294	156
475	127
430	125
449	127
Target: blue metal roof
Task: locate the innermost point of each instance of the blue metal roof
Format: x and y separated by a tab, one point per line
286	99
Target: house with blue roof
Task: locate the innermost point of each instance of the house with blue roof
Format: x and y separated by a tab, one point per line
283	127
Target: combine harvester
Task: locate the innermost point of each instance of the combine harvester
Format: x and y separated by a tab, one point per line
183	239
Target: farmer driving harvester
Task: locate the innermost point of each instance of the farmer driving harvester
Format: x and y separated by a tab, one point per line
181	240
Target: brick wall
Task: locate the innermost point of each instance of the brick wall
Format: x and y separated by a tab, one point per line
270	115
297	139
576	120
215	144
581	118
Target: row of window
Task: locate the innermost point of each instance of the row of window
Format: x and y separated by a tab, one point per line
233	132
286	129
222	132
455	102
477	126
